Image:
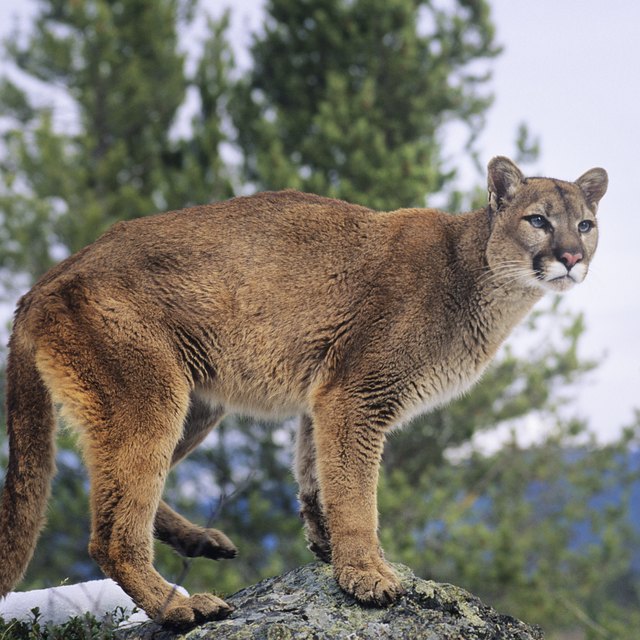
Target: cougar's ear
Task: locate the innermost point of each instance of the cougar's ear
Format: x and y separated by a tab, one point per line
504	180
593	184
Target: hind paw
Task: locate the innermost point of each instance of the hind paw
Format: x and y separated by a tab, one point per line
195	610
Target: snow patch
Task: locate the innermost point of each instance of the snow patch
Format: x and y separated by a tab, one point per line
58	604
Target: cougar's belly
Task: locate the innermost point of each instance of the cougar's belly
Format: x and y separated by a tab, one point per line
259	396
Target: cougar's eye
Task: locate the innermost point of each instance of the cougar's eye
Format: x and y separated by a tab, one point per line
538	222
584	226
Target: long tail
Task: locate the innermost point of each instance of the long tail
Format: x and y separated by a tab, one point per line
31	429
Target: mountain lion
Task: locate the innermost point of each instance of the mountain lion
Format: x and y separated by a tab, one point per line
271	305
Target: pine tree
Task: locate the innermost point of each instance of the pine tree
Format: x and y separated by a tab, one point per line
117	70
197	171
349	98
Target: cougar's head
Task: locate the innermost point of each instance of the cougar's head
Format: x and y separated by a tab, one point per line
544	231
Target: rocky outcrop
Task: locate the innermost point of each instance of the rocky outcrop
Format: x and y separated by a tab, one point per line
306	604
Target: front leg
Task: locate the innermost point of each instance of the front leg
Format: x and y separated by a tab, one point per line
349	438
306	475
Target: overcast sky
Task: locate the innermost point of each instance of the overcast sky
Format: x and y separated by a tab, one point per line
570	70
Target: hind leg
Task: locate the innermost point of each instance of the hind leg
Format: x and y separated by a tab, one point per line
130	413
306	474
128	464
186	538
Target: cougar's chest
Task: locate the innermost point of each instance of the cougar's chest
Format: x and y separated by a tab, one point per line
440	383
453	363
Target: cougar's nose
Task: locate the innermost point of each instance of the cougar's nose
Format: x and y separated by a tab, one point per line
570	259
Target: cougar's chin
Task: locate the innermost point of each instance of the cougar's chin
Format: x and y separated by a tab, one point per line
558	285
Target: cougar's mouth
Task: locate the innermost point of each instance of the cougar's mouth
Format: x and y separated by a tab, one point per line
554	276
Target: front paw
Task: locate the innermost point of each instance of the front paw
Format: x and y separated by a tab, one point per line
375	584
321	550
213	544
199	542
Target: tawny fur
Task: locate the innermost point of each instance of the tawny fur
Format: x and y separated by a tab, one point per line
271	305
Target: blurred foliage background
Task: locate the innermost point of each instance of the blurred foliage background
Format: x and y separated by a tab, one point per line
352	99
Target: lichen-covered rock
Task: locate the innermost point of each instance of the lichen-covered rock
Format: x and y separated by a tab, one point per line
307	604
